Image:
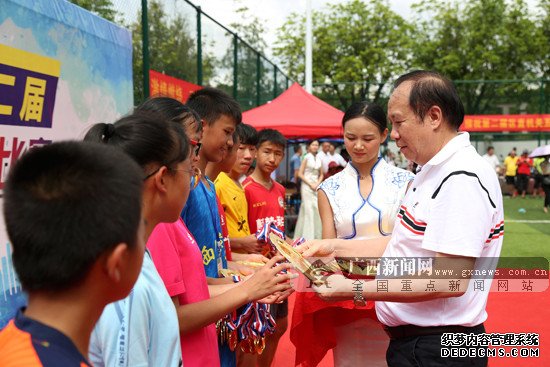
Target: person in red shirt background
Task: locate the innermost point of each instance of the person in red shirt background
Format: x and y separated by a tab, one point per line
524	165
266	202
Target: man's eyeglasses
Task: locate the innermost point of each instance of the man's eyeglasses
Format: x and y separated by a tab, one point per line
197	146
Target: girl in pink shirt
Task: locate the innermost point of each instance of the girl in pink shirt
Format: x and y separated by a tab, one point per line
179	262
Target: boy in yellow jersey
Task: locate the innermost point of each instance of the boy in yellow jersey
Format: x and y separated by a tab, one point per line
231	193
233	200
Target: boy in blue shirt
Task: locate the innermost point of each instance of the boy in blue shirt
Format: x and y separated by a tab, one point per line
220	115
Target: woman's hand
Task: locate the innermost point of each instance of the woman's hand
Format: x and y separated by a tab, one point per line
336	287
316	248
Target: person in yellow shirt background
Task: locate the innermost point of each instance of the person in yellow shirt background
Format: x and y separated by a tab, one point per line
231	193
510	168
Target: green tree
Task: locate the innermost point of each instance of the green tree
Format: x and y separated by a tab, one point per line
483	40
103	8
544	28
249	29
172	49
364	42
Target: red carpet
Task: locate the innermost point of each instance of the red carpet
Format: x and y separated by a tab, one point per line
521	313
508	313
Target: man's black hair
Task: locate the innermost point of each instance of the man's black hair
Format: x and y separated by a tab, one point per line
247	134
211	103
66	204
433	89
272	136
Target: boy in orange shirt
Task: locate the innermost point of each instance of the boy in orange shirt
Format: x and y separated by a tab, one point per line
72	212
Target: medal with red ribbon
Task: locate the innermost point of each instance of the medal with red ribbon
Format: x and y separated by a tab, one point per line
251	327
270	227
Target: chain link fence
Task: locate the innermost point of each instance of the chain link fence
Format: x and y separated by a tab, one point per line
186	43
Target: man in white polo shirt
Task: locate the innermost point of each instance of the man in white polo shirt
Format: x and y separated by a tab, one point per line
324	151
492	159
332	156
451	218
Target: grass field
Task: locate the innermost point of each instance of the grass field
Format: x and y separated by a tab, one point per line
526	234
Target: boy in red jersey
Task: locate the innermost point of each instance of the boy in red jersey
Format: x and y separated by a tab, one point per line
266	202
266	197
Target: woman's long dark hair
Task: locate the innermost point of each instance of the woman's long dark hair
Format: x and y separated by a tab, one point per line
145	138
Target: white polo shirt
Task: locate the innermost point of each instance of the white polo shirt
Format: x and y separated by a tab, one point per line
336	158
454	206
492	160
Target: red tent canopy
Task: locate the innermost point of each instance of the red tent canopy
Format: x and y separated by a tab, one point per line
297	114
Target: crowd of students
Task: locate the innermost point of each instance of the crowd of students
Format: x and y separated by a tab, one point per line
181	307
147	245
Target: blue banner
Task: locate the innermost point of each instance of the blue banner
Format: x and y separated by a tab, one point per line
62	69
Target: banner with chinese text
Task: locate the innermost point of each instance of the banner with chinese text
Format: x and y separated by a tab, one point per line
161	84
511	123
62	69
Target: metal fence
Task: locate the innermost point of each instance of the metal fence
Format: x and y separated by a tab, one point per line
208	52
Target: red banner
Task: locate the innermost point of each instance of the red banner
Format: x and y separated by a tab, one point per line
512	123
161	84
